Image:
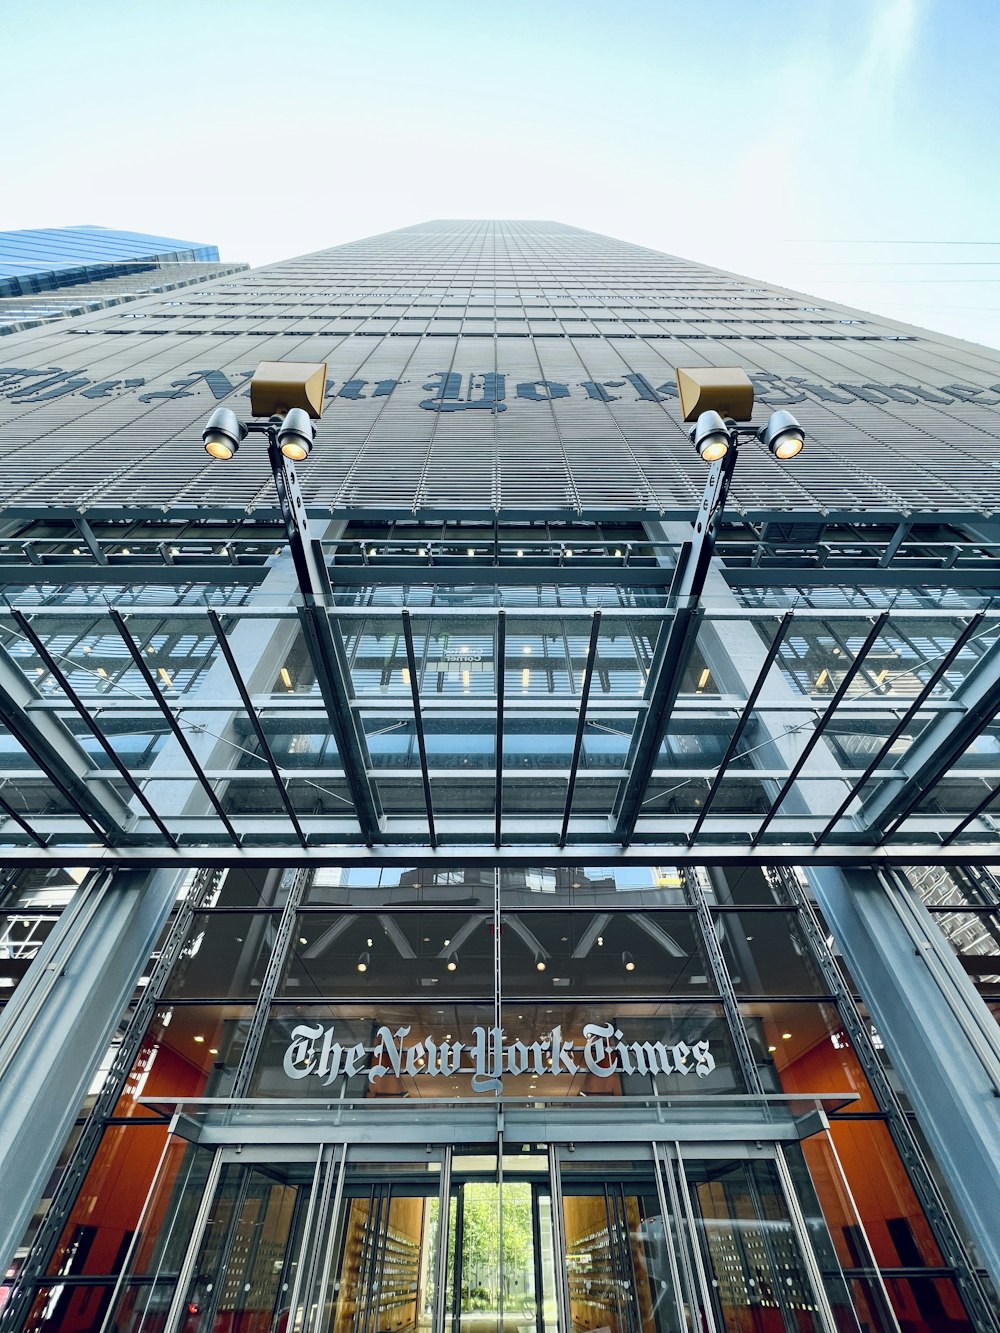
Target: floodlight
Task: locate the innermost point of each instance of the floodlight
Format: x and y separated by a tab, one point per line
783	435
296	435
223	433
710	436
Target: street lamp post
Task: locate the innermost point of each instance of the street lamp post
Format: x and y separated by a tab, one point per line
289	396
715	399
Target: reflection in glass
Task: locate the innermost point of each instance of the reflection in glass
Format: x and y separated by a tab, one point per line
603	953
802	1047
225	954
385	1271
767	954
390	954
245	1268
618	1270
757	1275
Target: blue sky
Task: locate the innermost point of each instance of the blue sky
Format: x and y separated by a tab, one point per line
844	147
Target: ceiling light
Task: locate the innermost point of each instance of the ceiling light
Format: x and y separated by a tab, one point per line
363	962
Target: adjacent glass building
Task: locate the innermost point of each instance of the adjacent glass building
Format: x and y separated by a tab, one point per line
50	272
513	934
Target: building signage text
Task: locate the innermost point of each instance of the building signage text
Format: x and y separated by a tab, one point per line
314	1051
491	391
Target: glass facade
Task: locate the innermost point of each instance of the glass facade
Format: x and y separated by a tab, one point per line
497	939
656	993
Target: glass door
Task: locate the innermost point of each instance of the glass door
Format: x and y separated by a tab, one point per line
244	1270
621	1274
501	1257
624	1237
385	1273
753	1265
700	1241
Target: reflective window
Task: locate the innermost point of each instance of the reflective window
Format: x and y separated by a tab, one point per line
603	953
767	954
225	954
390	953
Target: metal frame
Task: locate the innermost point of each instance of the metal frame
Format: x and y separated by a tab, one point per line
172	723
500	673
254	718
822	723
418	723
931	684
581	724
59	755
52	666
738	730
936	749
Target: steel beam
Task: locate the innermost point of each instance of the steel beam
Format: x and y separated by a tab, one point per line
935	751
738	730
500	675
943	1040
581	724
59	754
172	722
974	813
907	717
458	853
254	719
418	723
89	720
670	661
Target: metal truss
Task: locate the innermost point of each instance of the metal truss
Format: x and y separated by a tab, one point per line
371	681
936	750
191	550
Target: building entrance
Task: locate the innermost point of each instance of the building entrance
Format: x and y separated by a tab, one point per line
661	1236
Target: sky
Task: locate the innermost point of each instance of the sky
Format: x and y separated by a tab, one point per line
846	148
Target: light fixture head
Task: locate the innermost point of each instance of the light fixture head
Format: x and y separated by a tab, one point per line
783	435
710	436
223	434
363	961
628	961
452	962
539	962
296	434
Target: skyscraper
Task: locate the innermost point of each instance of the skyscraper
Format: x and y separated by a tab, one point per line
511	893
52	272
